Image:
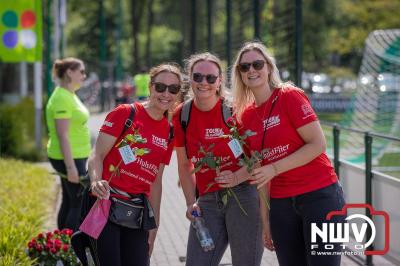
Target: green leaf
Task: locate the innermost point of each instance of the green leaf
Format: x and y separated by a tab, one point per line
224	199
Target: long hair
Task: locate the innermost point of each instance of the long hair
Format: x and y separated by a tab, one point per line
243	96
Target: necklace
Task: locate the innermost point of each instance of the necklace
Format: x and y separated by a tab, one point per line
265	125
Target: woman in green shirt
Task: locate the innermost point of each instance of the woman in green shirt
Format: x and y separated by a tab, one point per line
69	137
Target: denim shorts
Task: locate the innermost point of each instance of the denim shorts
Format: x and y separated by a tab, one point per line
291	219
229	225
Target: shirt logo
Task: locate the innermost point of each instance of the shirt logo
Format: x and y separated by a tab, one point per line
108	124
307	110
160	142
276	152
272	121
212	133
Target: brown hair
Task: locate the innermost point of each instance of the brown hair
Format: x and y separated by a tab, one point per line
61	66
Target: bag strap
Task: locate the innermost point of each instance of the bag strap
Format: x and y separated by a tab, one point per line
171	132
226	112
185	114
129	120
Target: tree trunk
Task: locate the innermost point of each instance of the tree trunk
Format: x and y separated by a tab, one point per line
136	13
150	16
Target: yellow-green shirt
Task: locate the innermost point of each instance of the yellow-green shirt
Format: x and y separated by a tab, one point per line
64	104
142	84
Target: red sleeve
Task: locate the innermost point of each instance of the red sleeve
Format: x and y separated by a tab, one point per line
115	121
179	134
298	108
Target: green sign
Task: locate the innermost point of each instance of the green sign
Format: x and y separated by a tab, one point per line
21	30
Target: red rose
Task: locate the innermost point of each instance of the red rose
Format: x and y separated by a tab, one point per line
49	235
53	250
39	248
56	232
65	248
40	236
30	244
57	243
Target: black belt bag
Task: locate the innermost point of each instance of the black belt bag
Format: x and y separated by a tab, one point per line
126	213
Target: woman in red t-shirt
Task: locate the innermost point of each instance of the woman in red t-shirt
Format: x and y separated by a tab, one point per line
134	166
303	185
223	216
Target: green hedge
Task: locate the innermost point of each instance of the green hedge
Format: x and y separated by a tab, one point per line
25	201
17	131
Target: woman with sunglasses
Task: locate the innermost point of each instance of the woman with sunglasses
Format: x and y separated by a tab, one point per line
138	173
68	147
223	215
303	185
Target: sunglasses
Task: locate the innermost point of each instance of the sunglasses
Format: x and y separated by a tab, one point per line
257	65
161	87
198	77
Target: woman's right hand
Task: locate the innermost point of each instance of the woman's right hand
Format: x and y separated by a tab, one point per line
101	189
72	175
190	209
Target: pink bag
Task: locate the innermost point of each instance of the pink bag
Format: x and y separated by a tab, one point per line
96	219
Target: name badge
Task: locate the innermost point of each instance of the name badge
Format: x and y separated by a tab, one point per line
127	154
235	147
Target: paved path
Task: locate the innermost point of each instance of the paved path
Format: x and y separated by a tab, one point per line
170	246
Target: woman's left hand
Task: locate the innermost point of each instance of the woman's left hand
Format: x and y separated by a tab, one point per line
151	240
226	179
262	175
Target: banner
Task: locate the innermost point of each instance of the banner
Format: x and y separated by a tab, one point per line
20	30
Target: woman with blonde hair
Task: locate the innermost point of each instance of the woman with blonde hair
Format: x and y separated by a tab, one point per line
303	185
134	144
223	216
68	147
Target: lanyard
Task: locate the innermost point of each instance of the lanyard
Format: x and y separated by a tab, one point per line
266	125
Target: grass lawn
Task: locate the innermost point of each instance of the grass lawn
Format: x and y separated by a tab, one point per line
26	197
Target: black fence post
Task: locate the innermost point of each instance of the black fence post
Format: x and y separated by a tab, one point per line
298	43
228	32
336	148
368	186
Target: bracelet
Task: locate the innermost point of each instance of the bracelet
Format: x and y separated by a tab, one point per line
275	169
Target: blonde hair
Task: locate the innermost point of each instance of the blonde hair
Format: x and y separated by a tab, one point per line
61	66
207	57
172	68
242	95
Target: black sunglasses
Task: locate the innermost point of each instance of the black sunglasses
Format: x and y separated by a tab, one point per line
257	65
161	87
198	77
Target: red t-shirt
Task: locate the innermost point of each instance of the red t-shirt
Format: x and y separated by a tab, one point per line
205	129
137	176
290	111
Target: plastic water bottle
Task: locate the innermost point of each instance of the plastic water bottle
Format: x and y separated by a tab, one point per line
202	232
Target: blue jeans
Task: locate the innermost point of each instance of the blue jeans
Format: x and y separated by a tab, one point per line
291	218
229	225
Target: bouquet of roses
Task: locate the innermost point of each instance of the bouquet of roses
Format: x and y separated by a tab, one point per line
53	248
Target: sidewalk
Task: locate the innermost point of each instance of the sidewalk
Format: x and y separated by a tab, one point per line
170	246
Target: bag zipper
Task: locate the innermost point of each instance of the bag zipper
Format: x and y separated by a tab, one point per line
131	205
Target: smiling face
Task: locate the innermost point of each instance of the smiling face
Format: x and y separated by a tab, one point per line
254	78
205	71
163	100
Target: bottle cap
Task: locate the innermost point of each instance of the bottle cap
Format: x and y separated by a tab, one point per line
195	213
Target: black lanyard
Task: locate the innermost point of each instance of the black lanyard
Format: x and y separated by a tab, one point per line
266	125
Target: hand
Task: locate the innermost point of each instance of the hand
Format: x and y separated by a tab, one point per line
151	240
72	175
267	238
227	179
190	208
100	189
262	175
